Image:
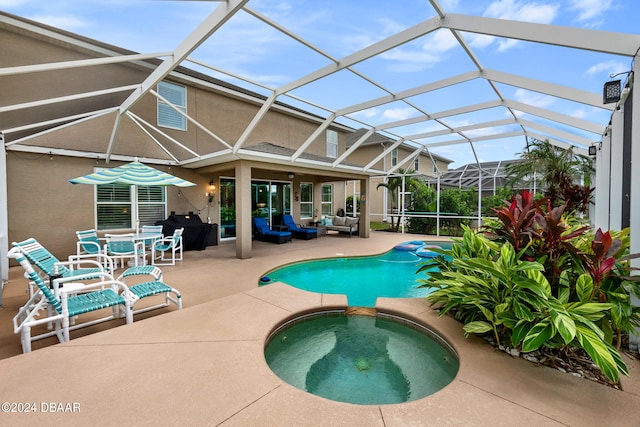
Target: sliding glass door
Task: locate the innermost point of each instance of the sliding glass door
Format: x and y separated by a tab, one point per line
227	208
271	200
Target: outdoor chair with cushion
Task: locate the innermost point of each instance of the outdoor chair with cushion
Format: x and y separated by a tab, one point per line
298	232
89	242
266	234
151	229
56	307
124	247
168	245
79	267
147	288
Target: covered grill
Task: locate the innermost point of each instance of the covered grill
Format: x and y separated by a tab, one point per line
197	235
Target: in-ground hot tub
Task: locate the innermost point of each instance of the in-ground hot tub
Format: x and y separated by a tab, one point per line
361	359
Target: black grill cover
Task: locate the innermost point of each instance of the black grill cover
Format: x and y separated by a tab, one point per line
196	233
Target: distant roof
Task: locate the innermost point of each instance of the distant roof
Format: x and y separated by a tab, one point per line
378	138
269	148
468	176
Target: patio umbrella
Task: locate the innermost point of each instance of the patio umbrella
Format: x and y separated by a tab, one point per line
134	173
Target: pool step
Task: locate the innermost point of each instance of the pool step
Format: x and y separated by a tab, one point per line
361	311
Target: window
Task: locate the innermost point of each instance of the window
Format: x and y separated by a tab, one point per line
332	144
327	199
152	204
176	95
306	200
113	206
435	168
394	157
416	164
116	208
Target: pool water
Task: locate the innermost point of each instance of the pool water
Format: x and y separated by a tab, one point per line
361	359
362	279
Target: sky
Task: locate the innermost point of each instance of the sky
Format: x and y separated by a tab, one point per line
247	47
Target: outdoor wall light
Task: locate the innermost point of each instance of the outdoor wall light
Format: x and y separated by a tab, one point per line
291	175
212	189
592	150
611	92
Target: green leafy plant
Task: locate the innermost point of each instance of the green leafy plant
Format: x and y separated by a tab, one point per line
559	168
536	278
394	185
349	204
490	290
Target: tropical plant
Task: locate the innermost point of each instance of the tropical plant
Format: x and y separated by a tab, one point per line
489	203
539	278
559	169
393	185
488	288
349	204
227	214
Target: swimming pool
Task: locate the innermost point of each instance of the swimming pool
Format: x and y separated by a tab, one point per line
362	279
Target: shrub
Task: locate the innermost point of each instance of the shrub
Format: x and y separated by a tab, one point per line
539	278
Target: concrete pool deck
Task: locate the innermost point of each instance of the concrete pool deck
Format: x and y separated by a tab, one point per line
204	365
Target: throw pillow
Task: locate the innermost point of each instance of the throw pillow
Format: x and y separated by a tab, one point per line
339	220
351	220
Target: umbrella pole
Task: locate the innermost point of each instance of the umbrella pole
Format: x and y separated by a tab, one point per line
135	206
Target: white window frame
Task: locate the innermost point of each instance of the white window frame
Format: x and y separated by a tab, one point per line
416	164
394	157
326	204
177	120
306	203
332	143
133	205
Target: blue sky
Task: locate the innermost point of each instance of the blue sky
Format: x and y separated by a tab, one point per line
248	47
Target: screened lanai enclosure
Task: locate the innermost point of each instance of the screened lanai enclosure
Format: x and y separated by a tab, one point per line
466	81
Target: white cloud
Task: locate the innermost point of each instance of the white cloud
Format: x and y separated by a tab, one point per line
527	11
440	41
68	22
580	113
449	4
398	113
410	58
367	114
522	11
533	98
608	67
475	133
590	9
481	40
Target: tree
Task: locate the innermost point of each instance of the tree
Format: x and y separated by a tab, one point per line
393	185
560	169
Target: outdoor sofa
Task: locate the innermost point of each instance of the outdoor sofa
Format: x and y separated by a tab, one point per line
341	224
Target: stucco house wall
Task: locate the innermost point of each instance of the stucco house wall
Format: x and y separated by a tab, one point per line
41	201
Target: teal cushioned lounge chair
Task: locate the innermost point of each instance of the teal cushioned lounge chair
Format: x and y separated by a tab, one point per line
79	267
64	303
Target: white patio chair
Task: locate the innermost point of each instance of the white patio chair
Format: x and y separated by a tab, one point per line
168	245
63	304
78	267
150	229
124	247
